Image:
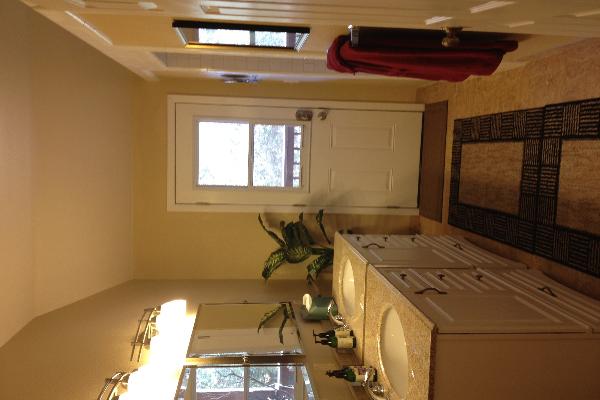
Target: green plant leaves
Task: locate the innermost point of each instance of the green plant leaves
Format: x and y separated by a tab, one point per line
295	234
273	235
286	316
297	254
319	264
319	218
268	315
271	314
296	247
274	261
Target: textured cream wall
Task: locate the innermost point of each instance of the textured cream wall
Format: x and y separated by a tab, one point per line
16	261
179	245
82	163
565	74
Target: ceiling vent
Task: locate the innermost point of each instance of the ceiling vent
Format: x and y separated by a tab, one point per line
239	78
123	5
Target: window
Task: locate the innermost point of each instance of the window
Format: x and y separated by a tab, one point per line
251	382
249	154
232	154
256	382
198	33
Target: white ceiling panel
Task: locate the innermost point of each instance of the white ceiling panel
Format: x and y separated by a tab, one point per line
137	30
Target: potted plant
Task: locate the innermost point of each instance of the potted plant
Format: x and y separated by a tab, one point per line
296	246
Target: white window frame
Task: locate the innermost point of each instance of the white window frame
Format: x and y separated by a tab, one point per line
304	157
315	105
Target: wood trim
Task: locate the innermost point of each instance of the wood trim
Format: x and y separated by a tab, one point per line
433	157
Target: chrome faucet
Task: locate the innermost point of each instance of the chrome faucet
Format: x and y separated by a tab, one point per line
375	390
336	320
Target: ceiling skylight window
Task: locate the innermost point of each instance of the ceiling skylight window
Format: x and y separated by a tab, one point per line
197	34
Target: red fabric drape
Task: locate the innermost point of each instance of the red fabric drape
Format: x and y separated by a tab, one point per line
396	57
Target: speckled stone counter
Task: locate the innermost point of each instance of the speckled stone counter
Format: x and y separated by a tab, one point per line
344	253
418	331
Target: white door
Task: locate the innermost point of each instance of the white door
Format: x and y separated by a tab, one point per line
366	158
358	160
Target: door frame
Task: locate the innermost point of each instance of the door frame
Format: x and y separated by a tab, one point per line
315	105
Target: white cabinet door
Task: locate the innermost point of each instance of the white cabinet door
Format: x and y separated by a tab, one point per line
394	250
535	283
461	249
467	301
366	158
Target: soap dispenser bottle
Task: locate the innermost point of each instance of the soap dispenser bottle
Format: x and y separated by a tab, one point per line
355	374
338	342
339	333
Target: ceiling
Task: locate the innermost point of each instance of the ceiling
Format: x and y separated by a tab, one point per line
138	34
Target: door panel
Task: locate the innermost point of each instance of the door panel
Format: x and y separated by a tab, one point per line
534	283
366	158
469	301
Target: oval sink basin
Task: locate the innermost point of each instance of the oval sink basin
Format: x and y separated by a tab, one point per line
392	352
348	290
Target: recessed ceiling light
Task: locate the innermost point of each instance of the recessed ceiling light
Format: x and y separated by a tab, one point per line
210	9
436	19
520	23
490	5
588	13
147	5
89	27
30	3
78	3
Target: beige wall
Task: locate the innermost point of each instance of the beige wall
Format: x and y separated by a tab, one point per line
65	168
16	261
82	162
67	353
221	245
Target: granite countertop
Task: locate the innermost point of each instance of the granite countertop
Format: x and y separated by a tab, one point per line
419	334
346	253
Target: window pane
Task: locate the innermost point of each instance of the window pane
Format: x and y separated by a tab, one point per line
221	383
273	382
269	155
223	153
297	156
297	140
223	36
274	39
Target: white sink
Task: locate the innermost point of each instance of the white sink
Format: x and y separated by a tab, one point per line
348	290
392	352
